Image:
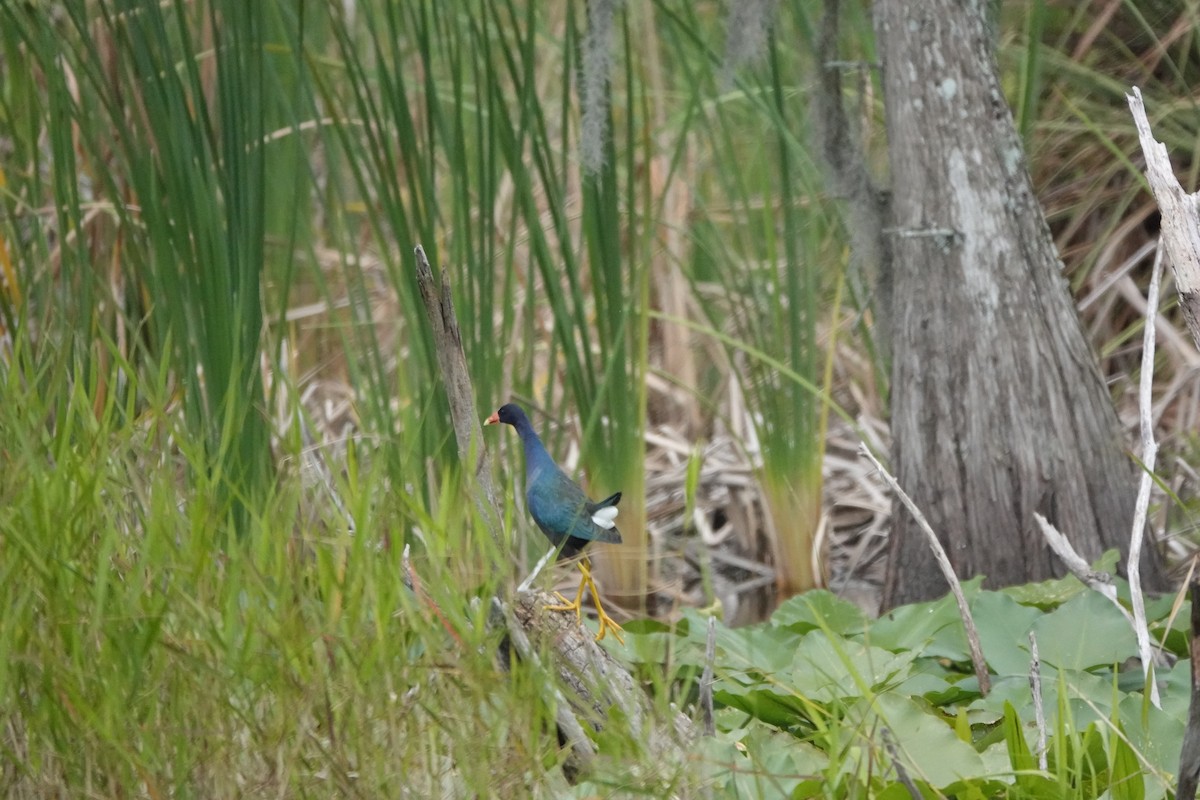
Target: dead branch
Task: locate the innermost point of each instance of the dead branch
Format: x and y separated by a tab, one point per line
1180	218
1142	505
1097	581
939	553
439	307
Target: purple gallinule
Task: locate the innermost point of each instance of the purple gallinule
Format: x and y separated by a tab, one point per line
563	512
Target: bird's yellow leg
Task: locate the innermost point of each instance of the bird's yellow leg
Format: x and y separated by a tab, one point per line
576	606
607	623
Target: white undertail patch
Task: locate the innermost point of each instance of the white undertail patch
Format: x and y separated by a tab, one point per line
605	517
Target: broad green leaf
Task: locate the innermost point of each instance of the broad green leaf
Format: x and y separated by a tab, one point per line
769	754
773	706
1156	735
1088	697
929	685
818	609
761	649
898	791
978	789
1004	632
826	668
1051	593
775	764
1086	631
1175	685
929	748
933	628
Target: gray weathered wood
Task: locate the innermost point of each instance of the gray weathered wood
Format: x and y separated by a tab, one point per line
468	432
1180	217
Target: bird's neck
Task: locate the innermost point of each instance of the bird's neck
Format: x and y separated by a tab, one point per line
536	457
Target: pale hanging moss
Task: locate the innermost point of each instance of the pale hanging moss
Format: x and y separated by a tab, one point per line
596	65
750	22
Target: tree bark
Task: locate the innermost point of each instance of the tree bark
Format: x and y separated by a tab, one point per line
998	408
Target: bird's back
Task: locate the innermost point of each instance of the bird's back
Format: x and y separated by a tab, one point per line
560	509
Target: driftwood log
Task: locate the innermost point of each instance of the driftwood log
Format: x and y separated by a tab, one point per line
583	678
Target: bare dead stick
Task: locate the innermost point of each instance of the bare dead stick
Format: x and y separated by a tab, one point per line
1180	218
939	553
1142	505
1035	686
889	744
943	561
1097	581
583	752
706	679
439	307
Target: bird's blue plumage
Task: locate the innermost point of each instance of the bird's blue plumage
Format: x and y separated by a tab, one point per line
559	507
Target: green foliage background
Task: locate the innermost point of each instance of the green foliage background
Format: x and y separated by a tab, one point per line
221	421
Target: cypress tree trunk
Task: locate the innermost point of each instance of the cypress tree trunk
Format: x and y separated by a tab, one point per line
998	409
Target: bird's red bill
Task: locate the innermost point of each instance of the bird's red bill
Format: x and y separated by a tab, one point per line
493	419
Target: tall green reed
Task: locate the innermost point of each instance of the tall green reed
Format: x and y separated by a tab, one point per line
447	135
776	251
156	120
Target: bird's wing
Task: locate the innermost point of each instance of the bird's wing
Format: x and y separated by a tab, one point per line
560	508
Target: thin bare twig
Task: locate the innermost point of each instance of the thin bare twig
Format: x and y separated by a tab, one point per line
1097	581
1149	454
939	553
1035	686
706	679
889	744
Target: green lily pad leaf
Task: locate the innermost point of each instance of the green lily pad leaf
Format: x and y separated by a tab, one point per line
650	625
1175	685
934	628
928	747
828	668
771	705
761	649
1010	690
929	686
819	609
1156	735
773	757
774	764
1004	626
1087	631
1052	593
1089	698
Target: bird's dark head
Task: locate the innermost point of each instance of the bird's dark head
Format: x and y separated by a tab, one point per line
509	414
